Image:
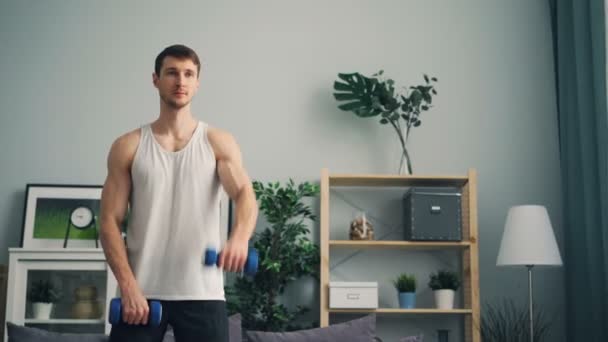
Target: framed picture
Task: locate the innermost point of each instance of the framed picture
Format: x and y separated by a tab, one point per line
48	212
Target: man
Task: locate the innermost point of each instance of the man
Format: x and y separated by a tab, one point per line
171	172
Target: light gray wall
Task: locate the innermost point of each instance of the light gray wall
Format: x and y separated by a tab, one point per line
78	74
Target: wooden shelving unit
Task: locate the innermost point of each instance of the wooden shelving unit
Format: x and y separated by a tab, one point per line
468	245
402	311
399	244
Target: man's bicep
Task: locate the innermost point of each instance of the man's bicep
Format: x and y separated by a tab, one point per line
232	176
230	167
116	189
114	199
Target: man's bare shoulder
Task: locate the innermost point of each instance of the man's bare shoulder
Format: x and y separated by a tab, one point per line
218	134
222	141
124	147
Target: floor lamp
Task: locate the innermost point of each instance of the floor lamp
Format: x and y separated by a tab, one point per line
528	240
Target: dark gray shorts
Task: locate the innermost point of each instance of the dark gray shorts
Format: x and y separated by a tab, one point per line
191	320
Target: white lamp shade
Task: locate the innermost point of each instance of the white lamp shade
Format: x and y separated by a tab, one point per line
528	238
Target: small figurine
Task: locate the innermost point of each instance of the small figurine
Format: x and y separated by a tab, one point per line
361	229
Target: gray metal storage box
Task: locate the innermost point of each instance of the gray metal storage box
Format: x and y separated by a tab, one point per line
432	214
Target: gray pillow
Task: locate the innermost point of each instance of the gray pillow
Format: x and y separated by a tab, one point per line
235	333
17	333
361	329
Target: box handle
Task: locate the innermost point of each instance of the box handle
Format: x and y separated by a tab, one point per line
353	296
435	209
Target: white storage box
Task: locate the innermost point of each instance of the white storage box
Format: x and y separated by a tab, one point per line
353	295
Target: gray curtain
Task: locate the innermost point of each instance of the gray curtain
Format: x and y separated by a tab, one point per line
580	56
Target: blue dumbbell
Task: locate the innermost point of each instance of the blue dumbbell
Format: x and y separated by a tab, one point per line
115	312
251	265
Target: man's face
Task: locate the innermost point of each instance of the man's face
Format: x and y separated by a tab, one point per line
177	82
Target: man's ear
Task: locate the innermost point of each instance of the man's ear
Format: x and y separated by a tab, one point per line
155	79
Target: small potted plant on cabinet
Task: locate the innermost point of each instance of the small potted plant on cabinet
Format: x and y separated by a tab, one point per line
43	294
444	284
406	287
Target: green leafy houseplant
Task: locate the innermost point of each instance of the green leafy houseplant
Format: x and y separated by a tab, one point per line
505	321
444	280
405	283
376	96
44	291
285	255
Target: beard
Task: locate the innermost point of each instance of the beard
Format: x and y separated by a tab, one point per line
172	103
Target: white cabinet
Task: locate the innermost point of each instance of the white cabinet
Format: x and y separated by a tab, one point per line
82	277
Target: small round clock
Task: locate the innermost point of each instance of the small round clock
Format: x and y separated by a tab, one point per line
82	217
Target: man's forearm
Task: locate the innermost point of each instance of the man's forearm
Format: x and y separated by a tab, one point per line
246	214
116	255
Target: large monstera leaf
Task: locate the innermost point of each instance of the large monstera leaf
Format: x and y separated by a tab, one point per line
363	95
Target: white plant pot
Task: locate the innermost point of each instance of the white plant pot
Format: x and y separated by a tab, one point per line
444	299
42	310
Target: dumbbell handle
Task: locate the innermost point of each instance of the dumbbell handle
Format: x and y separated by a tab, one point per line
251	265
154	316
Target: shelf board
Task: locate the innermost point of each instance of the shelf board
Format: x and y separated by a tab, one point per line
395	180
64	321
400	244
403	311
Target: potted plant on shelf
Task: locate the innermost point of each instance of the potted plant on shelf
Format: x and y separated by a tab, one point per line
43	294
444	284
406	287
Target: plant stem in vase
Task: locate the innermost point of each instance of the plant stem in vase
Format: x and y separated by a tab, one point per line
405	165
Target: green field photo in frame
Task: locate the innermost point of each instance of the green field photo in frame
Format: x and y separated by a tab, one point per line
52	215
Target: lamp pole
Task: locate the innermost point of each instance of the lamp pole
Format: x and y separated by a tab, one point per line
530	300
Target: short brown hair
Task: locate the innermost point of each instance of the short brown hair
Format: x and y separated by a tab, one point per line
177	51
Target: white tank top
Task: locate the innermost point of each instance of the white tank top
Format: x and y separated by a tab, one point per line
175	215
